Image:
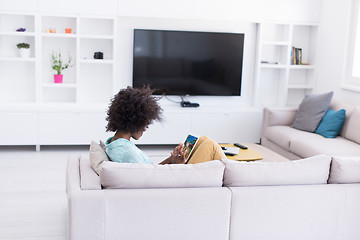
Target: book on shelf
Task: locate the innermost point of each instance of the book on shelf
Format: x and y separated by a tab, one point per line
296	56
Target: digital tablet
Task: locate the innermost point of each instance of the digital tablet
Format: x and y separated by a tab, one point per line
189	145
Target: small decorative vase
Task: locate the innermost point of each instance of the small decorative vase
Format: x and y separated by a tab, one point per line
24	52
58	78
67	30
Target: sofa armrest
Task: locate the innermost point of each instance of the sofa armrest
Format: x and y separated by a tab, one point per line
86	208
278	116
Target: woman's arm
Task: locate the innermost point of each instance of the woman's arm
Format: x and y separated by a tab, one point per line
177	156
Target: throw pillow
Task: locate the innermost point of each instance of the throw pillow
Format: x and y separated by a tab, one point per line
331	124
139	175
345	170
97	156
312	170
311	110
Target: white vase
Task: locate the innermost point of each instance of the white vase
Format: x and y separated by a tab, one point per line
25	52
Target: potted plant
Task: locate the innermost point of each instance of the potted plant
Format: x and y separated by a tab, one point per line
58	65
24	49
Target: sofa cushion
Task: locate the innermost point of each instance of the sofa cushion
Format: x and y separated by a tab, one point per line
345	170
97	155
311	110
283	135
316	144
353	127
313	170
137	175
331	123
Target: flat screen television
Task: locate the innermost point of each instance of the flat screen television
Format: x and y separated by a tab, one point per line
188	63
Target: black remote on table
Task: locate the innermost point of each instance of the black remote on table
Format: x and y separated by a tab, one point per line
241	146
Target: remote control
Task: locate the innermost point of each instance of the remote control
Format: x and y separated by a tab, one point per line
229	154
241	146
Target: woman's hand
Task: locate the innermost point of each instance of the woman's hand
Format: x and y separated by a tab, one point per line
178	155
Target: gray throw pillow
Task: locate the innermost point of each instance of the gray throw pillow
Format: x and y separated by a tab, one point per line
311	110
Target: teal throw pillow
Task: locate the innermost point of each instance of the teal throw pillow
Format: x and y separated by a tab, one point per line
331	123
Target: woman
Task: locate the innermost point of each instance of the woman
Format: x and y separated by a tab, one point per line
131	111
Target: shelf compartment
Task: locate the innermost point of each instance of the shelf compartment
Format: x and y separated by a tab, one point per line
275	32
96	27
304	37
17	82
8	48
59	24
67	47
95	83
11	22
275	53
301	77
89	46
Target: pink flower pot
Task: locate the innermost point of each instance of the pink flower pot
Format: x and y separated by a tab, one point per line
58	78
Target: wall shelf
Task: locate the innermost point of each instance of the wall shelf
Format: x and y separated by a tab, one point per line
284	84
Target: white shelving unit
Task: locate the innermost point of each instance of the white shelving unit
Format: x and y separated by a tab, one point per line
30	80
17	75
277	81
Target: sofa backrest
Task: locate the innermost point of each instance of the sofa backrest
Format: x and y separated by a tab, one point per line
337	105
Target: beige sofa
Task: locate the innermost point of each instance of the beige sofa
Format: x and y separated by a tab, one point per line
291	143
296	204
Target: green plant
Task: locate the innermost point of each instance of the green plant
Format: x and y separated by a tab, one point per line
23	45
57	63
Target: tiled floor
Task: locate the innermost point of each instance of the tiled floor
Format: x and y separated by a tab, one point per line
33	202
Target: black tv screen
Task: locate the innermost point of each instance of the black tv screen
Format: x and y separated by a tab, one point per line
188	63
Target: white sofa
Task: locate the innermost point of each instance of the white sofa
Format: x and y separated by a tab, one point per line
296	212
291	143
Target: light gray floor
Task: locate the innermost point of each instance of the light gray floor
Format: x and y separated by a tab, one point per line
33	202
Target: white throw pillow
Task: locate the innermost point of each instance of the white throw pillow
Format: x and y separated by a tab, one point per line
345	170
97	156
312	170
138	175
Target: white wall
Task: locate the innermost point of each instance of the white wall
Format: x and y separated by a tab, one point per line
334	23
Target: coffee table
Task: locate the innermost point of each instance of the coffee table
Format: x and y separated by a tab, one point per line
257	152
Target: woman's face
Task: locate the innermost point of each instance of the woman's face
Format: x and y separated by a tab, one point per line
137	135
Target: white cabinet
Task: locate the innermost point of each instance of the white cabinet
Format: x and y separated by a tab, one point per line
278	81
229	127
64	128
222	125
18	128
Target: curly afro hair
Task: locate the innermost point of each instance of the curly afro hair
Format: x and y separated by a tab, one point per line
132	110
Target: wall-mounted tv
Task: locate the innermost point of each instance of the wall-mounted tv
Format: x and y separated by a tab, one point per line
188	63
